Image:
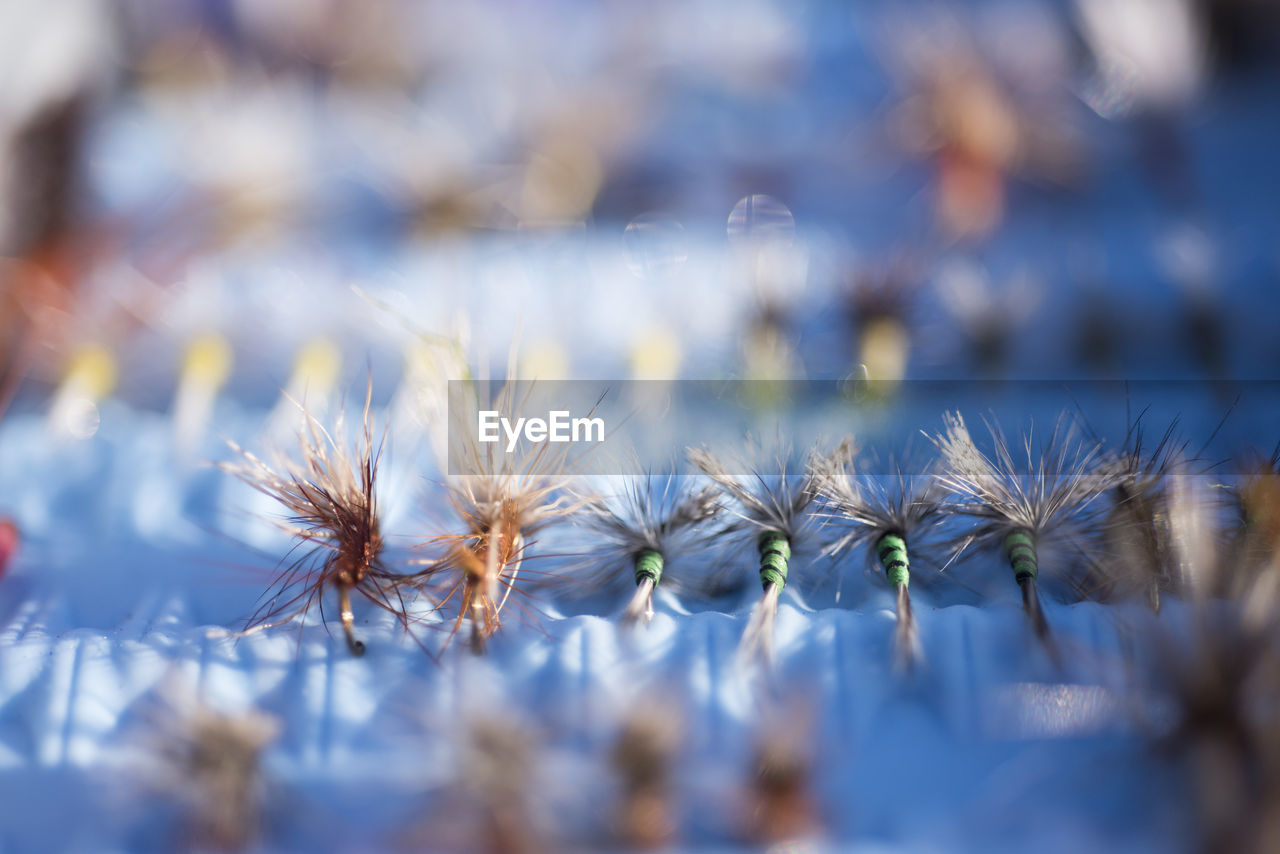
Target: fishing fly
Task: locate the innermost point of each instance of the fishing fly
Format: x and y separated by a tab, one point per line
1216	674
503	500
211	762
1137	530
643	530
643	759
881	514
1022	510
774	508
333	514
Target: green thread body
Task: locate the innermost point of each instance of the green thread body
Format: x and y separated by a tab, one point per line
649	564
1020	548
892	551
775	557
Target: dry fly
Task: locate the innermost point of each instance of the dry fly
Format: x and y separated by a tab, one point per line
642	531
1139	539
1018	510
212	762
784	812
883	516
500	768
1256	544
503	500
1220	675
774	508
643	757
334	516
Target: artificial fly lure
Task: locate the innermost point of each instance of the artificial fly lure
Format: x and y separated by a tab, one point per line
1021	510
1215	678
1256	541
480	568
978	124
880	305
503	501
643	530
774	507
211	762
334	516
784	812
498	776
1137	531
1260	536
643	757
883	514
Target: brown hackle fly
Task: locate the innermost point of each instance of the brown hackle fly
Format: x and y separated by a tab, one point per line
211	762
330	499
502	500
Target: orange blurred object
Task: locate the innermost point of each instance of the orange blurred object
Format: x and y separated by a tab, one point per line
783	809
971	195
